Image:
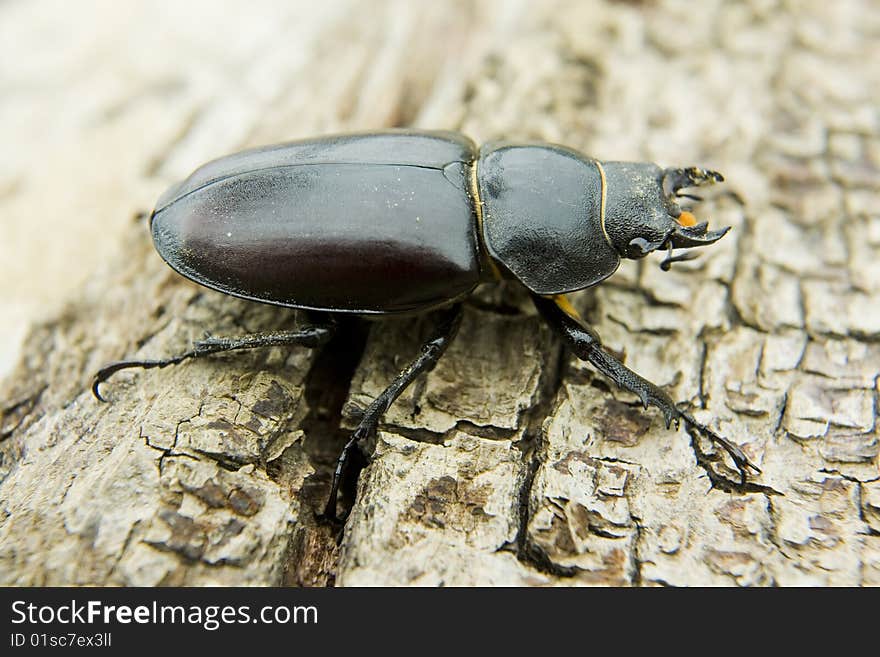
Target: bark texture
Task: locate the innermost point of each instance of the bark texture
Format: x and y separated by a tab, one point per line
510	463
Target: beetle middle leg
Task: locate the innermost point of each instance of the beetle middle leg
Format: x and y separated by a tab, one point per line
315	335
432	350
586	345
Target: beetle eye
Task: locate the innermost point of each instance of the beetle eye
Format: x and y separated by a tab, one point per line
638	248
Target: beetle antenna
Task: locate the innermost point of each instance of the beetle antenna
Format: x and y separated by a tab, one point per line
676	179
666	265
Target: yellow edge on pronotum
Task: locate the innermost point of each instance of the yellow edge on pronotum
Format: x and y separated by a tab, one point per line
602	202
478	208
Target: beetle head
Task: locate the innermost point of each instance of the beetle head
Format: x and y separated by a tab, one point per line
642	213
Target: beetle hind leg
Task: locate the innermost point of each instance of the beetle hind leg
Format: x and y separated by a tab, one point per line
585	343
310	336
432	350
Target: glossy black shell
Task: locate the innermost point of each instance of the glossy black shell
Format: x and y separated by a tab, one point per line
543	216
370	223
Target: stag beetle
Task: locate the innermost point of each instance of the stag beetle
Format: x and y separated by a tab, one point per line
407	221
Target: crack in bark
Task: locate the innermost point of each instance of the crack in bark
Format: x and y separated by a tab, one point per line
854	480
312	552
531	446
425	435
660	332
123	552
636	575
19	411
773	531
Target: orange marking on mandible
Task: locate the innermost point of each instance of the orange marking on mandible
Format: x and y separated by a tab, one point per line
687	219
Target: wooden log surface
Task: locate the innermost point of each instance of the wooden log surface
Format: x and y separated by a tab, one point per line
510	463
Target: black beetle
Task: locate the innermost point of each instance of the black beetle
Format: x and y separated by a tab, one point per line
408	221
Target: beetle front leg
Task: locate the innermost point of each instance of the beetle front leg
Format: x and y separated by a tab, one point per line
430	353
310	336
586	345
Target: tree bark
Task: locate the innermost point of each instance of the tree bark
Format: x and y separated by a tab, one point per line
511	462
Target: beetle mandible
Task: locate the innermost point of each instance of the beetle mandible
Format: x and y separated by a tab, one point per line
408	221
